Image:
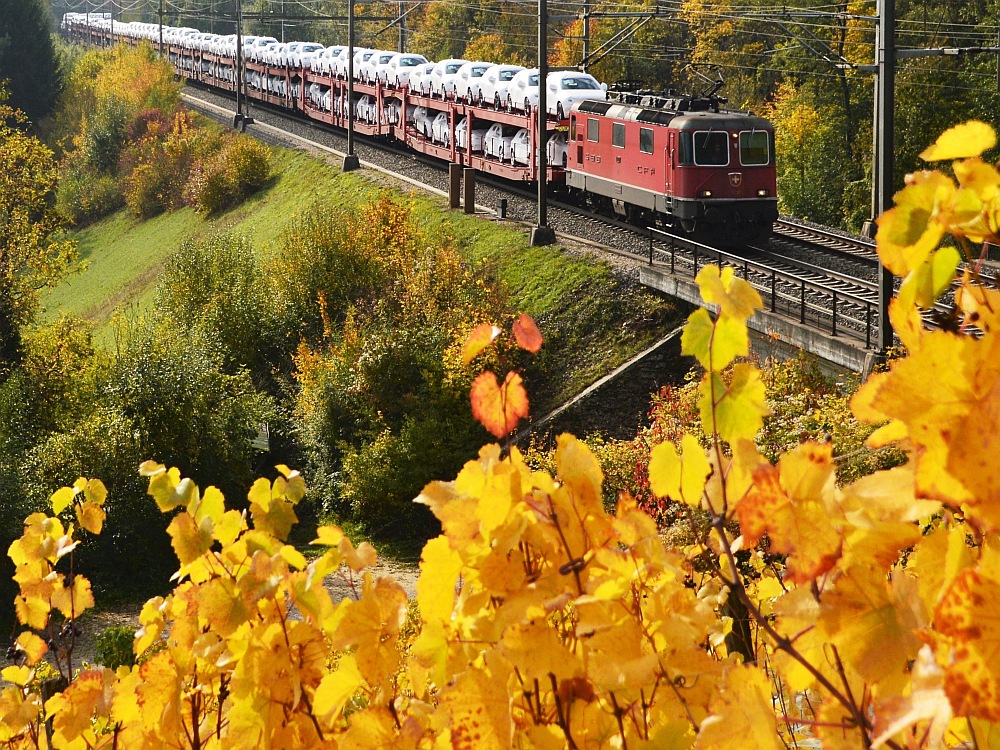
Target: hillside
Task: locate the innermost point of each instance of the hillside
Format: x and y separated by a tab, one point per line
592	317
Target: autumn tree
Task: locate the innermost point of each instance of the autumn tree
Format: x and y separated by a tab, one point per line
32	254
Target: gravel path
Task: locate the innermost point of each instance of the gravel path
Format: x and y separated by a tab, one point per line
93	623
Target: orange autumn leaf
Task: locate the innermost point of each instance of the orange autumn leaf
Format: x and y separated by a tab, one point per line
482	336
788	503
969	614
526	334
499	408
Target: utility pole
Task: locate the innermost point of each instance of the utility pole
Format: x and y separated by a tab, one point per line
240	120
401	46
541	233
238	65
350	160
586	36
885	59
112	14
161	28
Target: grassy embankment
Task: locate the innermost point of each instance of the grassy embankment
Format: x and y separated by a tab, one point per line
591	326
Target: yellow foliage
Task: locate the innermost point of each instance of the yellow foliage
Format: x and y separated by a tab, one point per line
865	615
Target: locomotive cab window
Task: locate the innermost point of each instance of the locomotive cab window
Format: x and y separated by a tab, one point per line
646	140
754	148
593	129
618	135
711	148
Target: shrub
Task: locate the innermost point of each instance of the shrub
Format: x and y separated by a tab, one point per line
84	196
114	647
239	169
144	191
216	286
105	135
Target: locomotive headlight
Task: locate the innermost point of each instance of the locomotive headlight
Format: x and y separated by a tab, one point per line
704	193
762	193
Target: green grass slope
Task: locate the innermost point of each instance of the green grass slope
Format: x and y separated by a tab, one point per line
591	323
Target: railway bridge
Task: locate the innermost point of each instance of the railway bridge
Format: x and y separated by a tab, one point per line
831	314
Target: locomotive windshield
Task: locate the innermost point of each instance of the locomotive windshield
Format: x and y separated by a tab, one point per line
711	148
754	148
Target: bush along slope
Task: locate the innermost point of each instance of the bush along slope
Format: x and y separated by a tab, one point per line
543	621
129	143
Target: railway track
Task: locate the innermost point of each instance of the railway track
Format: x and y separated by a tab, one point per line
819	278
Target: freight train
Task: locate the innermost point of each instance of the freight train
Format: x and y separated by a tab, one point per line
684	162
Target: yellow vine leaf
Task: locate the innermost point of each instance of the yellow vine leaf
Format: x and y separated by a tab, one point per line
189	539
715	344
328	535
440	566
969	616
954	426
17	675
911	231
33	647
152	624
90	516
873	622
734	409
926	705
680	477
734	296
272	511
968	139
62	499
479	708
479	338
335	689
581	472
18	710
76	599
742	717
169	490
791	503
371	626
89	695
939	557
932	279
95	491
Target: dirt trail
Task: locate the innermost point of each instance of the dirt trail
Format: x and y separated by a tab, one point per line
93	623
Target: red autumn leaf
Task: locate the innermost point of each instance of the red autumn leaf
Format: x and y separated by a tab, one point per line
482	336
526	334
498	408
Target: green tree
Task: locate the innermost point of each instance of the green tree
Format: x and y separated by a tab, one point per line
32	255
28	56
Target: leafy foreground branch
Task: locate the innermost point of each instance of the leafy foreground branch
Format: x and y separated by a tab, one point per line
541	621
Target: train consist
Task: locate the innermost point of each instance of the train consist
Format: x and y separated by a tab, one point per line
679	161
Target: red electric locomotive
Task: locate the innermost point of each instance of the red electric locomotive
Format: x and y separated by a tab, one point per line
677	160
